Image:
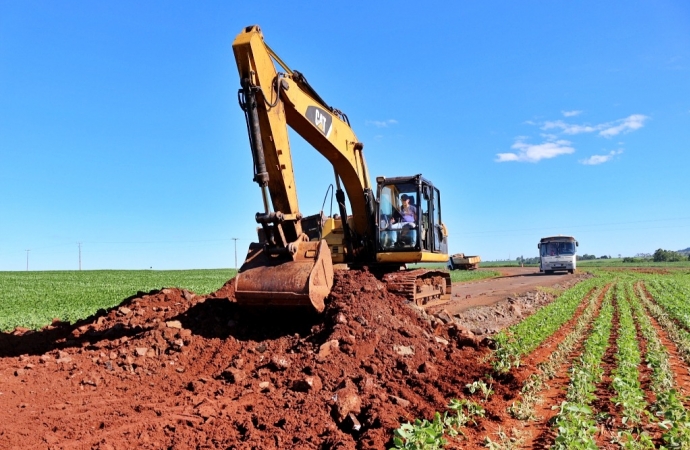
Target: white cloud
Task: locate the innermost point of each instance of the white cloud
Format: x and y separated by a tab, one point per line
505	157
607	129
546	136
553	146
381	123
535	152
600	159
626	125
569	128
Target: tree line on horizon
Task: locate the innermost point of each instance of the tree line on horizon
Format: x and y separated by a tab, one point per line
660	255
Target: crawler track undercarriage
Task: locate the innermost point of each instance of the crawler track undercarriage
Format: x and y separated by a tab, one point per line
425	288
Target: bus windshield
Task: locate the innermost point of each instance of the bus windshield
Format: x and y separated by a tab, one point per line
557	248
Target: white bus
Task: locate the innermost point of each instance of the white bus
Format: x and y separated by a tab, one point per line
557	253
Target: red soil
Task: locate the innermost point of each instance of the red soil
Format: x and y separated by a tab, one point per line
170	369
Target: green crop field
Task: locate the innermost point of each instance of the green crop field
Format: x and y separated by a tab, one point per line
461	276
512	263
598	263
618	263
34	299
458	276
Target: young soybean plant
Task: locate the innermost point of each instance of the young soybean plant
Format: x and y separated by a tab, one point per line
462	412
422	435
506	442
481	386
426	435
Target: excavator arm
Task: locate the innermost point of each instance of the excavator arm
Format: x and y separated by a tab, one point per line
282	99
286	267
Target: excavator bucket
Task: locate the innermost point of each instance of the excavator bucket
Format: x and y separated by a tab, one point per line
302	279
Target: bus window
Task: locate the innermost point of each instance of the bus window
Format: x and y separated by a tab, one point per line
566	248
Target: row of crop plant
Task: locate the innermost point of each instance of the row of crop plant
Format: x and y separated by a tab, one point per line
676	332
668	408
523	338
523	409
629	396
672	293
576	422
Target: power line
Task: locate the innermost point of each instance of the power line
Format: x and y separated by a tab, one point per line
95	244
560	230
159	242
579	226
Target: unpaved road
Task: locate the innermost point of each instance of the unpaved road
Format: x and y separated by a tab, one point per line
514	281
487	306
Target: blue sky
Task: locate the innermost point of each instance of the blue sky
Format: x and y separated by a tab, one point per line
120	128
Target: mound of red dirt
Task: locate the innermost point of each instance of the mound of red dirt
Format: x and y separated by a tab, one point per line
170	369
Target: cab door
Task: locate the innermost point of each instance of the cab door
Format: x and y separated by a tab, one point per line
440	238
433	238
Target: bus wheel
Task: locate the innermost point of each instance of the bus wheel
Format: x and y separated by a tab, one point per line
571	270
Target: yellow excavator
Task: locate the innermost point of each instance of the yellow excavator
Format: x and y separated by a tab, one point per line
293	262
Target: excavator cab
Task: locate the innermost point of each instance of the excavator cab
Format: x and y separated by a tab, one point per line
408	229
409	218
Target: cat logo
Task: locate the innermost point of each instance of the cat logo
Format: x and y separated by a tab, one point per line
320	118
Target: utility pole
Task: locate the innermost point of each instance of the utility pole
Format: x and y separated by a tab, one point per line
27	260
235	239
79	244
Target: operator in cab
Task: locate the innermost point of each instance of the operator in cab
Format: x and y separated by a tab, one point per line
408	212
408	221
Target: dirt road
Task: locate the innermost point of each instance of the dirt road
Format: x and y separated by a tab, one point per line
514	281
485	307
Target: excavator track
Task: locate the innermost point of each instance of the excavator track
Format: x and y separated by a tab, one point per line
425	288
